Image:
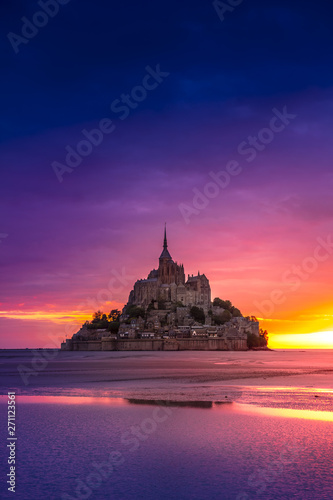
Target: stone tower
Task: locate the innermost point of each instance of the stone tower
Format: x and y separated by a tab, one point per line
169	271
167	283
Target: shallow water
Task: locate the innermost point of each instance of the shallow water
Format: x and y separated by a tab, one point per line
185	425
205	450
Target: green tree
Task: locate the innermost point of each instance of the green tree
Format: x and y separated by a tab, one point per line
113	326
197	314
114	315
227	305
236	312
135	311
99	320
263	337
224	304
260	340
220	319
252	340
97	316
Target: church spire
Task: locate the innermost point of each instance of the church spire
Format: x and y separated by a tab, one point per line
165	244
165	254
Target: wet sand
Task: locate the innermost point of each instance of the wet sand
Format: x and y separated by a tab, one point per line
180	376
273	440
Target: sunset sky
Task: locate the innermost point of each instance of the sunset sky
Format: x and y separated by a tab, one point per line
265	240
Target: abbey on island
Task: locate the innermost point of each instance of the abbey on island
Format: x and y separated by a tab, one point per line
166	311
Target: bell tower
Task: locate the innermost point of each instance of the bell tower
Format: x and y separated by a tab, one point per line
168	270
165	263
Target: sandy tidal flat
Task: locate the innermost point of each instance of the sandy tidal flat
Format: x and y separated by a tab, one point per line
179	376
187	425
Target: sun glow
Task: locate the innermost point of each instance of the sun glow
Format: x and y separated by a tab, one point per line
316	340
61	317
325	416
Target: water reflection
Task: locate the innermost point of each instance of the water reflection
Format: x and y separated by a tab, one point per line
326	416
91	401
68	400
267	408
182	404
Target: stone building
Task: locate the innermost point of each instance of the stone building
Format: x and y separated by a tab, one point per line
167	284
167	322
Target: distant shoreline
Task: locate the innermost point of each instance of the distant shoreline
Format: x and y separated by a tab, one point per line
278	349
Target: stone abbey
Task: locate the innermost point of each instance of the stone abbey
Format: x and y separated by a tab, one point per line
166	311
167	284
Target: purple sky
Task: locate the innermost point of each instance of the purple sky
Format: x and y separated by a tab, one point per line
65	241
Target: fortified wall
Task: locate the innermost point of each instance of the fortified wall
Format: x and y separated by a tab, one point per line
191	344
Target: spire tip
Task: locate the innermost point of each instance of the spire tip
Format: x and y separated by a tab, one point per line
165	237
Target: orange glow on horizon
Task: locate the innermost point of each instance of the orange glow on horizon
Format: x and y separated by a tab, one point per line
303	329
309	330
61	317
57	316
325	416
317	340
